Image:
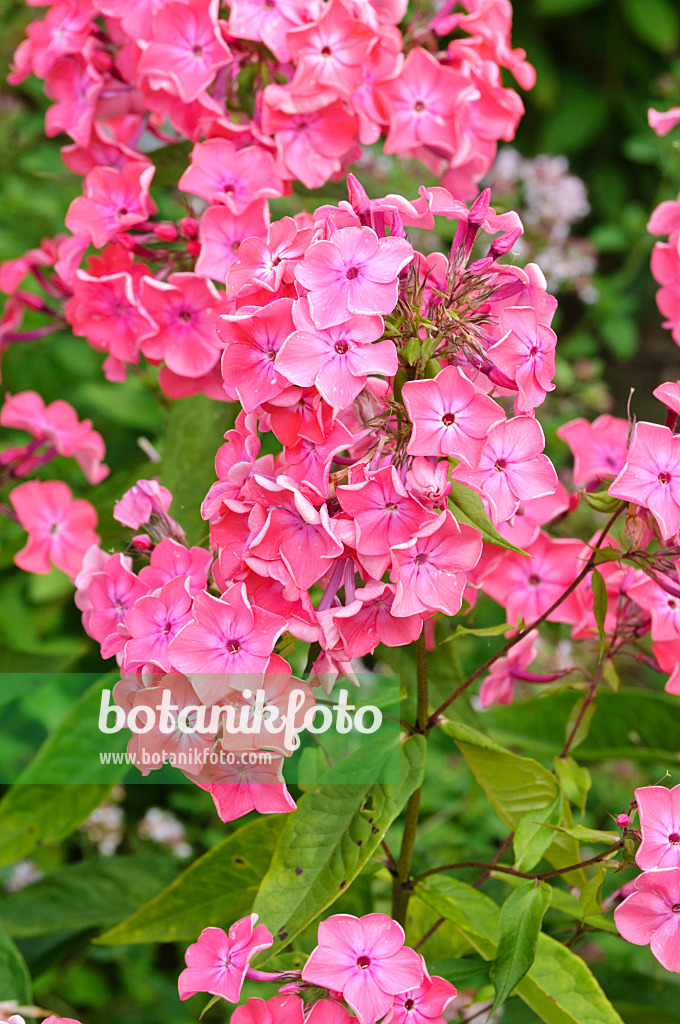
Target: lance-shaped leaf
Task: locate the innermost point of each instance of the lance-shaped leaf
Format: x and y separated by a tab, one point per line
519	925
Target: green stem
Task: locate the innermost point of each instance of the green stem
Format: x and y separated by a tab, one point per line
505	869
401	886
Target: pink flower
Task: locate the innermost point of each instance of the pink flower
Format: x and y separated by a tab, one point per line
526	354
599	448
143	500
422	103
186	47
449	416
422	1005
251	343
309	143
651	475
365	959
217	962
241	787
669	394
651	915
114	201
170	559
499	685
663	122
659	810
106	311
221	173
57	424
663	607
368	621
266	21
60	528
183	311
336	360
227	637
430	569
512	467
330	53
354	272
221	233
153	621
280	1009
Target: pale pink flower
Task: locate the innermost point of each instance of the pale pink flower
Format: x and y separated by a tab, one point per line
651	915
227	637
217	962
651	475
353	272
449	416
599	448
143	500
60	527
526	355
424	1004
170	559
669	394
183	311
252	341
221	234
659	811
153	621
365	959
221	173
663	121
512	467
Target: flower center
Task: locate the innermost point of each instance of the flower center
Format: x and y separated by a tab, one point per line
232	646
123	211
197	51
409	1004
672	603
419	107
534	350
326	52
449	419
676	908
185	316
363	962
500	465
664	478
674	839
352	273
341	347
534	580
420	559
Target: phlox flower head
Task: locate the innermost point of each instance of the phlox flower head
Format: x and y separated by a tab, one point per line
651	475
651	915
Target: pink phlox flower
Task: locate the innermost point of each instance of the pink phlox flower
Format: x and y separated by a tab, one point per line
153	621
526	354
354	272
309	462
114	201
280	1009
183	311
186	47
217	962
663	121
512	467
659	811
222	233
429	570
65	30
669	394
310	143
221	173
424	1004
170	559
329	53
428	481
665	219
651	475
60	527
105	310
525	526
266	22
227	636
239	788
367	621
267	263
599	448
336	360
449	416
364	958
110	592
252	340
143	500
499	685
174	736
663	607
651	915
57	425
74	85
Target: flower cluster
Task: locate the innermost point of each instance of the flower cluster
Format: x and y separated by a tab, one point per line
360	970
266	94
651	913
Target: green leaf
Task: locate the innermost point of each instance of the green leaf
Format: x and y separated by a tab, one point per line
574	779
519	925
655	22
467	507
600	602
170	163
15	981
196	429
325	843
593	836
556	7
532	838
590	899
515	786
215	890
91	894
43	808
500	630
638	724
559	986
464	972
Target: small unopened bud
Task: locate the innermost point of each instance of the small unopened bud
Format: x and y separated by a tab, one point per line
166	232
193	247
623	821
189	227
142	541
101	60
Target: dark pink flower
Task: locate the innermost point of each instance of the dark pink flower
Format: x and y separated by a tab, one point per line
221	173
114	201
183	311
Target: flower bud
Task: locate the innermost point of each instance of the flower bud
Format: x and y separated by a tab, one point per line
166	232
188	227
623	821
